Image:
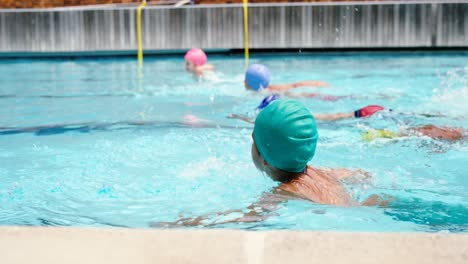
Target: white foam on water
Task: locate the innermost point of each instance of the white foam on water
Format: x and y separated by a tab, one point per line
452	95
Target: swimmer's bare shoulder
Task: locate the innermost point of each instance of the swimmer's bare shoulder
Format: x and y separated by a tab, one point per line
325	186
316	185
320	186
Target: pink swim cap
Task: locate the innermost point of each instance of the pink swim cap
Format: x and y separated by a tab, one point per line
196	56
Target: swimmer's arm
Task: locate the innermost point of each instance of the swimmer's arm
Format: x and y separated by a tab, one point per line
207	67
323	117
330	117
335	116
197	73
366	111
284	87
314	95
310	83
256	212
241	117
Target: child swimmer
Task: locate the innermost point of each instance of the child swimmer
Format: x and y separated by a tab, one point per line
284	141
195	62
434	132
366	111
257	77
431	131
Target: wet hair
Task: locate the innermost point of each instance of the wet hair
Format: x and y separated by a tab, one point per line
278	174
283	176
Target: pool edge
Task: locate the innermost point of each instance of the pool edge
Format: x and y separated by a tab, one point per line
118	245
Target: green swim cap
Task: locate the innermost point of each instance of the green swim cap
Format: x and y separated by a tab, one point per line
286	135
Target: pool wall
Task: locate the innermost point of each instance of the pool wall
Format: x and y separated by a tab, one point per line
367	25
115	245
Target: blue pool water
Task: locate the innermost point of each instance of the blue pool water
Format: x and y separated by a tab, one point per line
93	142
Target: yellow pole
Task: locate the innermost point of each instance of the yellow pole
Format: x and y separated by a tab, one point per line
140	47
246	33
140	43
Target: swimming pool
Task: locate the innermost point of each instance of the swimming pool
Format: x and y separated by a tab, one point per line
92	142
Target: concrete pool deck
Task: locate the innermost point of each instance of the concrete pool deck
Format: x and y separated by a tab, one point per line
116	245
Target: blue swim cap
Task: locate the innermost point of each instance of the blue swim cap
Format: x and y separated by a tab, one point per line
258	76
267	100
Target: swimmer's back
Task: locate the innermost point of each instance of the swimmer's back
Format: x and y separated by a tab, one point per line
319	186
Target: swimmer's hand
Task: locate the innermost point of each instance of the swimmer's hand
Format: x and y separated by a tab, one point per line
183	222
367	111
380	201
231	216
241	117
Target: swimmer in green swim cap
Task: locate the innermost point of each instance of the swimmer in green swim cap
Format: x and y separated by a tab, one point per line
284	141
